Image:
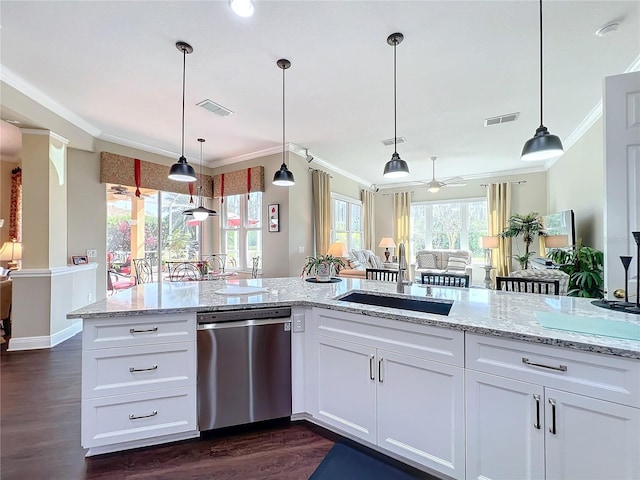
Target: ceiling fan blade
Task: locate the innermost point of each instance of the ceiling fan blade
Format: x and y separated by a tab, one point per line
455	185
453	180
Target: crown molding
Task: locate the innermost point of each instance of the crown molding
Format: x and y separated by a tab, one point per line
35	94
247	156
125	142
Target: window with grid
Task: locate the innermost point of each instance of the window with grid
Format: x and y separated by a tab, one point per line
457	224
346	222
242	229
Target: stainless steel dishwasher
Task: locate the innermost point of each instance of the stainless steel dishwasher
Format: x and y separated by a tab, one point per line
244	366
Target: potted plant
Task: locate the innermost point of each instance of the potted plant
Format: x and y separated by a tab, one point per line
528	226
321	266
585	268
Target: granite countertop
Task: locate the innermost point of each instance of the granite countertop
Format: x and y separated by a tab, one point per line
505	314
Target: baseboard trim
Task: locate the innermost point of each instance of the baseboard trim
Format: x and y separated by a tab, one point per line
116	447
44	341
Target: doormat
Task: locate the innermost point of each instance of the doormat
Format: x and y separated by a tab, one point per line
346	463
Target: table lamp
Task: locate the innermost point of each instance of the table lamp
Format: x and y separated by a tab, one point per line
387	243
12	252
489	243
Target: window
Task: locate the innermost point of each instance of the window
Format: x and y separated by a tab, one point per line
346	221
242	229
449	225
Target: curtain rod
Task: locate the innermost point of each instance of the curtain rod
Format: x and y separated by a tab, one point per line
386	194
516	183
318	170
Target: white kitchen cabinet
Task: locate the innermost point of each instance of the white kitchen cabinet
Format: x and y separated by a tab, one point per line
409	406
531	430
138	381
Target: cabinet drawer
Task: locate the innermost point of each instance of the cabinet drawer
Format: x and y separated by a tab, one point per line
119	371
422	341
611	378
138	330
138	416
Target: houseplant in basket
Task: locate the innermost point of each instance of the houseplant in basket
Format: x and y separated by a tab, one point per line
322	266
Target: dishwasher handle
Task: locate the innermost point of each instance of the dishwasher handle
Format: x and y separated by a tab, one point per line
245	323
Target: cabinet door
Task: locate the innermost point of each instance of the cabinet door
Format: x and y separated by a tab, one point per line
421	411
593	439
347	387
505	430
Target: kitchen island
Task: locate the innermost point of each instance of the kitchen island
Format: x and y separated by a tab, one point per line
485	391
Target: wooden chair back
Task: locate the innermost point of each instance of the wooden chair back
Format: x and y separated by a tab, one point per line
528	285
445	279
381	274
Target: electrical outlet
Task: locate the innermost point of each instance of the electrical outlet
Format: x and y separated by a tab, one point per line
92	253
90	297
300	249
298	322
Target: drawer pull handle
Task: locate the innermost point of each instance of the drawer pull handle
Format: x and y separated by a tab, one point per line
134	369
380	370
560	368
148	330
536	397
552	428
136	417
371	374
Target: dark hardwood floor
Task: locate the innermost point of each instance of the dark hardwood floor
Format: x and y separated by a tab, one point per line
40	434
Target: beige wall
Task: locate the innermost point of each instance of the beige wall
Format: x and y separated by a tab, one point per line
576	182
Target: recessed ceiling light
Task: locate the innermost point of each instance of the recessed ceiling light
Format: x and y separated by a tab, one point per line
242	8
607	29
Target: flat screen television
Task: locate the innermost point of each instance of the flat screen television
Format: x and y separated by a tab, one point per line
561	223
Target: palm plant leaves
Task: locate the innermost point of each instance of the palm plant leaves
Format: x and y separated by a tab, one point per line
528	226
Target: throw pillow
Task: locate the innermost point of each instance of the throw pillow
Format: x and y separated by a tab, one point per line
360	256
457	264
427	260
372	260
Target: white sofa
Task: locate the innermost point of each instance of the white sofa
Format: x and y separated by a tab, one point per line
437	261
357	262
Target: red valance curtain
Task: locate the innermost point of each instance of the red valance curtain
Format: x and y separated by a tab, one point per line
239	182
15	216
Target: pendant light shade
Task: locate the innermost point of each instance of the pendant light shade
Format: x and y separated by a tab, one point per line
543	145
283	177
200	213
396	167
182	171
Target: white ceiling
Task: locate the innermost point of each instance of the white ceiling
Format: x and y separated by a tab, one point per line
112	68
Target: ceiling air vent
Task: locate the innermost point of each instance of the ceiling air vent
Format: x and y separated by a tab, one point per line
509	117
389	141
215	108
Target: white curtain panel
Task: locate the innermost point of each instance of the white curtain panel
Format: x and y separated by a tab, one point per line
368	214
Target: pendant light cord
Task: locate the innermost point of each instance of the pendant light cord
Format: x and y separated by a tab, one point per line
541	124
184	67
395	102
283	118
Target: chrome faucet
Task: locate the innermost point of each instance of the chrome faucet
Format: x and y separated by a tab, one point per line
402	267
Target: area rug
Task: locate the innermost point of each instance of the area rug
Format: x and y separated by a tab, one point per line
346	463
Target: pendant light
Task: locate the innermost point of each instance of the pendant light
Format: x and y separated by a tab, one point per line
182	171
283	177
200	213
396	167
543	145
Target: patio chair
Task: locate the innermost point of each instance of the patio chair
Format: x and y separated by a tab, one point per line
143	270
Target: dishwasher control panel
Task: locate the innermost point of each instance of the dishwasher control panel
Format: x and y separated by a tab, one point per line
246	314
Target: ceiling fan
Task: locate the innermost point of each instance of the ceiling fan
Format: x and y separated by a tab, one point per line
435	185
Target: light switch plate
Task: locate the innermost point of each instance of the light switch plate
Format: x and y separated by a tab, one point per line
92	253
300	249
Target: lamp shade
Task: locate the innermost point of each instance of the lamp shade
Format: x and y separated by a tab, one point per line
490	242
283	177
182	171
556	241
396	167
542	146
387	242
11	252
337	250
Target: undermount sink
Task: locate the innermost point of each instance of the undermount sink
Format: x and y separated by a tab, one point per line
439	307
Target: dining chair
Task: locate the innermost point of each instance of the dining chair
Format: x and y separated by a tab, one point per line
528	285
216	261
143	270
381	274
185	272
254	267
445	279
118	281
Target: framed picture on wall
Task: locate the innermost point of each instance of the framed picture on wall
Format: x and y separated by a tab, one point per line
274	217
79	259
